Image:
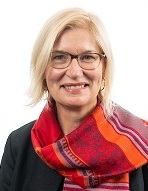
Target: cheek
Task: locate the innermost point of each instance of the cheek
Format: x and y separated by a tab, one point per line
53	75
96	80
96	76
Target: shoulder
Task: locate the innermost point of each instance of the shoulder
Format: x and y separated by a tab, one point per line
132	126
23	132
21	136
126	116
17	149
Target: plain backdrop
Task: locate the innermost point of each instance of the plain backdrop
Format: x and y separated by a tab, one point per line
126	22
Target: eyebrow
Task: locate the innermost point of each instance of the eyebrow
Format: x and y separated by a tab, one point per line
86	51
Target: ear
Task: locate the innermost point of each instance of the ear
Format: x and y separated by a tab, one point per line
104	63
45	85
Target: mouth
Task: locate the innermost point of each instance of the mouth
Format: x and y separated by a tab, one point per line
74	86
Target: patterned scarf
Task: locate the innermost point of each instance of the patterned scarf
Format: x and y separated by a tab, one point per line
99	154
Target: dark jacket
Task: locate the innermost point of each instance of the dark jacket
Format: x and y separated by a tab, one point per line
22	170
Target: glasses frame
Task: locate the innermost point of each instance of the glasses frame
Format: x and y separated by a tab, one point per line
76	56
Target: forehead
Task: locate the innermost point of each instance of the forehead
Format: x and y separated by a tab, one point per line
78	39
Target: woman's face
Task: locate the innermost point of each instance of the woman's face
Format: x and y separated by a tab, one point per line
73	86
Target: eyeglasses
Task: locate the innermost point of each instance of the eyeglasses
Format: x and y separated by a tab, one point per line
87	61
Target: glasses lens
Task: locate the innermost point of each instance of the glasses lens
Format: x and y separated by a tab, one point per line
89	61
60	59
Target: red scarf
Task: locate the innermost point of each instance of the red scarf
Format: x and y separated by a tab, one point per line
99	153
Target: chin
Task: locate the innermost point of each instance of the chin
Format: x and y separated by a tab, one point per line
77	103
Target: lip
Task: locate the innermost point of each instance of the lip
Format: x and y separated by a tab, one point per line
75	86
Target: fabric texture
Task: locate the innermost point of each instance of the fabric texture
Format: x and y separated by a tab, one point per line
22	170
100	153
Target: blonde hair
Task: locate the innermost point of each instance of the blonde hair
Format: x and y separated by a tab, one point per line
54	26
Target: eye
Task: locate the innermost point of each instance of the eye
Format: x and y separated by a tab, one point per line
88	57
58	57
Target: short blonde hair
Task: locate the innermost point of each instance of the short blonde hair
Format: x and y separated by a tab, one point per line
54	26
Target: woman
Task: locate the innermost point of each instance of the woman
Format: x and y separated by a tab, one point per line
81	140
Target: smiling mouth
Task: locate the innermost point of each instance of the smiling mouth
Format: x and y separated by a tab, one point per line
72	87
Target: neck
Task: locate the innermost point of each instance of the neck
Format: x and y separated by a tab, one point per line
70	118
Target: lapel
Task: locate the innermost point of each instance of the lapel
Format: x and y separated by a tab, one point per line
50	180
136	180
43	178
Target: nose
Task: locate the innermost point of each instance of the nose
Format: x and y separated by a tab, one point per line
74	70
